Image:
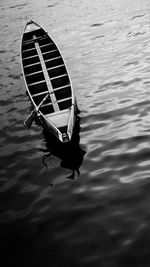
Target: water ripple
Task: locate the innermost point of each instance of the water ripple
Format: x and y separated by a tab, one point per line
100	215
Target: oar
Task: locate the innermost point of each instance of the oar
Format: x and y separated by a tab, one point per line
31	117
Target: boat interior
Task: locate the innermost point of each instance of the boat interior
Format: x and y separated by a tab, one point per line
42	63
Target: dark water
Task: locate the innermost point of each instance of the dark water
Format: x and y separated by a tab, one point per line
88	204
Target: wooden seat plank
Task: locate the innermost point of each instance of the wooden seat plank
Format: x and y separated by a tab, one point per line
46	75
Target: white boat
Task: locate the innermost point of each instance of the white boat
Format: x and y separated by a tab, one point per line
48	83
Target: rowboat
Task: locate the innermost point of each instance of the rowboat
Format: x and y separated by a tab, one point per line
48	83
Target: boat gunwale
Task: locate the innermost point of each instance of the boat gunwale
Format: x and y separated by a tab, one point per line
72	115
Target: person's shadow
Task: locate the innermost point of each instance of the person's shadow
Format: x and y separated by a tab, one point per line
71	154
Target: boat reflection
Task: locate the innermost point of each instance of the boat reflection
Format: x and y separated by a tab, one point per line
71	154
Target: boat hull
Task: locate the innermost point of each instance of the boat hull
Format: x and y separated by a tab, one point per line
46	77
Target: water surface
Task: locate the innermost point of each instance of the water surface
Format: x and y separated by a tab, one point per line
88	204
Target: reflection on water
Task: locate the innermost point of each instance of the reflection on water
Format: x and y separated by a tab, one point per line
71	154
